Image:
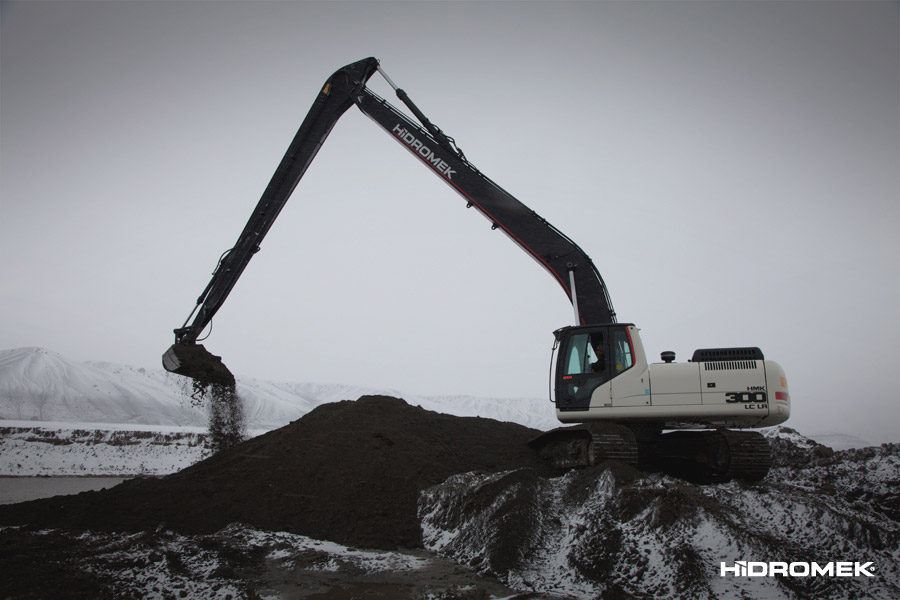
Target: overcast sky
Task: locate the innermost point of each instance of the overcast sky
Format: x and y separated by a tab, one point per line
730	167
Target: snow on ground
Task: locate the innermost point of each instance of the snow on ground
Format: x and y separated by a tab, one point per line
100	450
611	531
236	562
162	564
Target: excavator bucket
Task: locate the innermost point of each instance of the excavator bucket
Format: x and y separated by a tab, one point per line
198	363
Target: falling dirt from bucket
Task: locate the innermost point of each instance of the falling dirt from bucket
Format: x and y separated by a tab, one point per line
214	387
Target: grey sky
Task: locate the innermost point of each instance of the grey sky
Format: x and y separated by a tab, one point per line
731	168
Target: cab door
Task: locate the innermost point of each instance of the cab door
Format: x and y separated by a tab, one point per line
629	384
582	367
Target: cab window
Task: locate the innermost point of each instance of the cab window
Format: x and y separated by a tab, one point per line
585	353
623	357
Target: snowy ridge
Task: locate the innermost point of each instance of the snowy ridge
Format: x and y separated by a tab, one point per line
41	385
840	441
36	384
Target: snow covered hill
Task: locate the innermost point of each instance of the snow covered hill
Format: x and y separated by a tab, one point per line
40	385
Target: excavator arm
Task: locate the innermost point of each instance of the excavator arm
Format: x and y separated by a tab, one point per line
572	269
566	262
332	102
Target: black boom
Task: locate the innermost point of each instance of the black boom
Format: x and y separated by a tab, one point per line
569	265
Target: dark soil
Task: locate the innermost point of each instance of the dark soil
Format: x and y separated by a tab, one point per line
349	472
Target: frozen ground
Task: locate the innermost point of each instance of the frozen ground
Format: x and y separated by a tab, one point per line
237	562
91	449
612	531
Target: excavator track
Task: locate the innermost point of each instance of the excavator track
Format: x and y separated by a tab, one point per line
708	456
587	445
750	455
614	443
698	456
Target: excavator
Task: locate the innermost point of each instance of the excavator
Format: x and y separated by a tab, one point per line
686	418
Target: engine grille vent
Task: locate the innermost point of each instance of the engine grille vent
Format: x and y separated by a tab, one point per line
729	365
727	354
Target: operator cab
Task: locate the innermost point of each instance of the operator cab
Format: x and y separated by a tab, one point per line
590	356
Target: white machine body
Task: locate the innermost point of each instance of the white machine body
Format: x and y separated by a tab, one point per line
733	388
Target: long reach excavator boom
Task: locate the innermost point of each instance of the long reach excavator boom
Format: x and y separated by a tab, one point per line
602	378
568	264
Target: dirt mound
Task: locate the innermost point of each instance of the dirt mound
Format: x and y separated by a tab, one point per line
609	531
348	472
